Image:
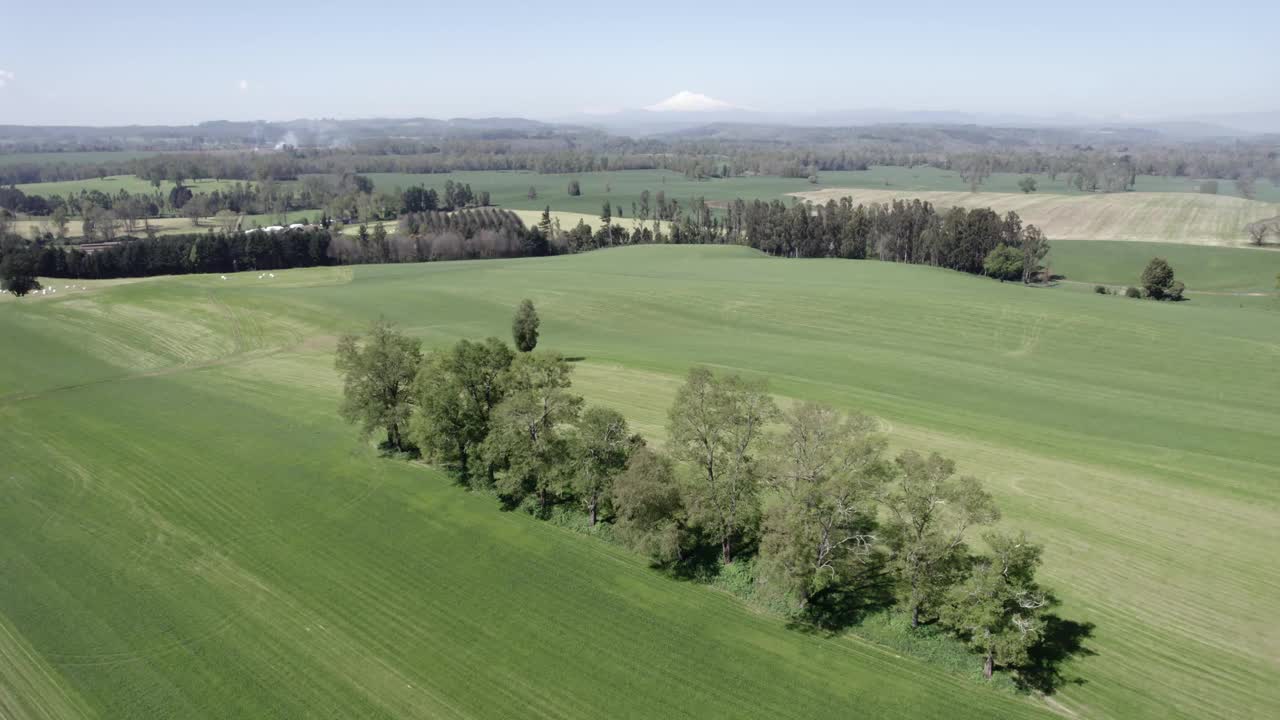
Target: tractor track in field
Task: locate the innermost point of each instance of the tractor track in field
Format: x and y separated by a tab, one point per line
234	358
239	355
15	398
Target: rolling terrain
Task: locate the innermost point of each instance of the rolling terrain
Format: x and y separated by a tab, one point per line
1134	216
1162	210
192	532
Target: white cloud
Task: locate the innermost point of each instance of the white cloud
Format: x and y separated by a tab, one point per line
6	77
244	85
685	101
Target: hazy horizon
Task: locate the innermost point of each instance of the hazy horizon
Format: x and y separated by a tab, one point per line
141	63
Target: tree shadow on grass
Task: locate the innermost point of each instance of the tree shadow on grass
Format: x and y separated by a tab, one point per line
1063	640
837	608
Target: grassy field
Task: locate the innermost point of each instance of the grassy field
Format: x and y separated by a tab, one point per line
1143	217
113	184
1164	212
1234	270
510	189
191	532
513	186
173	225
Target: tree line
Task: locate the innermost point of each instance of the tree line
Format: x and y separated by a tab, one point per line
808	498
979	241
464	234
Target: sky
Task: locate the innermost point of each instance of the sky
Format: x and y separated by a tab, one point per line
147	62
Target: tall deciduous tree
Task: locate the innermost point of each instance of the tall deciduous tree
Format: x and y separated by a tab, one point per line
716	425
929	511
601	448
974	169
524	327
378	372
1035	246
650	508
526	443
456	391
826	469
998	608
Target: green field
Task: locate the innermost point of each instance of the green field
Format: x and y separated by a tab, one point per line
1161	210
1137	216
191	532
512	187
1213	269
113	184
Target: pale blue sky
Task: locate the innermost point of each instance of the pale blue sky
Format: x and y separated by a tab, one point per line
143	61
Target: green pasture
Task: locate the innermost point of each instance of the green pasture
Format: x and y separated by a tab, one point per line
113	184
1215	269
192	532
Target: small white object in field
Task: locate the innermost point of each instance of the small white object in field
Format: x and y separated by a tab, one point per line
272	274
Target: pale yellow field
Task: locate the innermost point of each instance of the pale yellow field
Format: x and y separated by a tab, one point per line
569	219
1148	217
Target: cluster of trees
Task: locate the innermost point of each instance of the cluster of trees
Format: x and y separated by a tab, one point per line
16	201
480	233
1158	283
910	231
463	234
808	497
348	198
18	266
419	199
211	252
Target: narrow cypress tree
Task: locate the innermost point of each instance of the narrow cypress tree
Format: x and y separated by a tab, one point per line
524	328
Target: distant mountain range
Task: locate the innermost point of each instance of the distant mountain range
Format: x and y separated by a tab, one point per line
687	110
685	115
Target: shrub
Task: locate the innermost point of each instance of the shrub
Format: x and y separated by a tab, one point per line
1003	263
1101	289
1132	292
